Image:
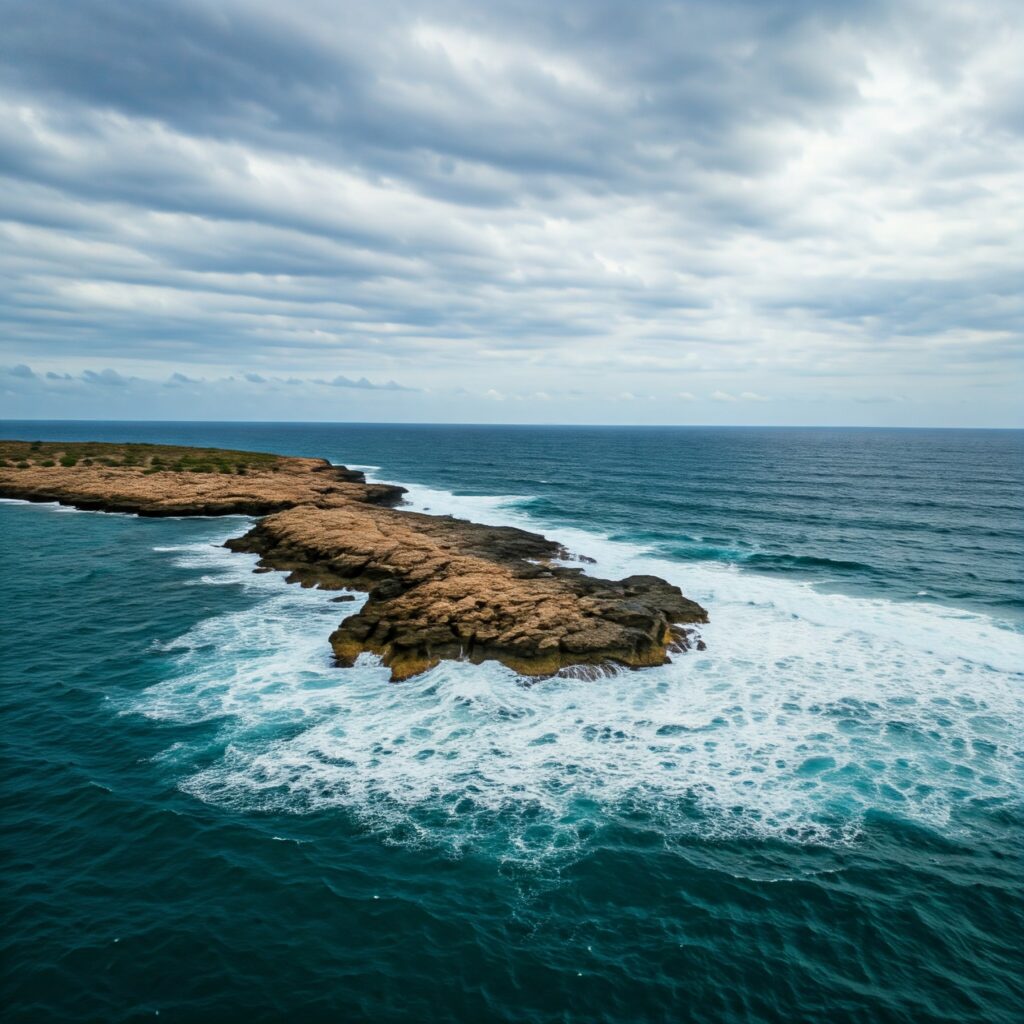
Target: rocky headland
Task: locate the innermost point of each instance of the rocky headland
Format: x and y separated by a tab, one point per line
437	587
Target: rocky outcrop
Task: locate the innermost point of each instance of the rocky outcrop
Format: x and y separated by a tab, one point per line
164	480
442	588
438	588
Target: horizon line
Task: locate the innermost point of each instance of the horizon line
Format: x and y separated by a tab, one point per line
439	423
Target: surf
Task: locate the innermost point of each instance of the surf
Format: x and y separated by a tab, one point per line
808	713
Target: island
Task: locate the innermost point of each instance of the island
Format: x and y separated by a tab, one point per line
437	587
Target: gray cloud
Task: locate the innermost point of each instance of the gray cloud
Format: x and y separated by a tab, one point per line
111	377
179	380
365	385
784	199
108	377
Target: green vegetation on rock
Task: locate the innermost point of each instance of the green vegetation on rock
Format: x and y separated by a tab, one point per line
149	458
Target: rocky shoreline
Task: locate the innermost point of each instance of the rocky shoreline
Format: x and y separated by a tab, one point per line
438	588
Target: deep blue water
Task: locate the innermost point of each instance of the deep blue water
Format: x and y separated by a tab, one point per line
820	818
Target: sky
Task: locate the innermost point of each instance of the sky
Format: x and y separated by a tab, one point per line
739	211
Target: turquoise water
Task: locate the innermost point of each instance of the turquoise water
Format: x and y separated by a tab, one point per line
818	818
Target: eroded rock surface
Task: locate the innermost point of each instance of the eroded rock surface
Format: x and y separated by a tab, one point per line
445	588
438	588
165	480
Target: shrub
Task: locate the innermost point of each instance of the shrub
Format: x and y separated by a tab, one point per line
23	464
47	463
69	460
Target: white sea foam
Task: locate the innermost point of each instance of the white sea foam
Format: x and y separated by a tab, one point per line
56	506
25	501
807	712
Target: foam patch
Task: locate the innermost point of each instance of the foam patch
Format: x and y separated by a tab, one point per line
807	713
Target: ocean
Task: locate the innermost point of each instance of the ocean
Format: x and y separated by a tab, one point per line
818	818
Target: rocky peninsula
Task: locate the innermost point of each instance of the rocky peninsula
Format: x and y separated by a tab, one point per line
437	587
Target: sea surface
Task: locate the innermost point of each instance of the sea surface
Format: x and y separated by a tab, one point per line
819	818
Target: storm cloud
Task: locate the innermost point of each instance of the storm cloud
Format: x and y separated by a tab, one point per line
725	211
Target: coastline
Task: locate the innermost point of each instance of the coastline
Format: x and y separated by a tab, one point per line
439	588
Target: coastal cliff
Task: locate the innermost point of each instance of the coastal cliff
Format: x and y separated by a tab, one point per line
438	588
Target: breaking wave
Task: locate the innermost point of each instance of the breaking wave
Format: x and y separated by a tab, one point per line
807	714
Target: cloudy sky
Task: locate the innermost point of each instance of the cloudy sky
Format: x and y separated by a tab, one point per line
739	211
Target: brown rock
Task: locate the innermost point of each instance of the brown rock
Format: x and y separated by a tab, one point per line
444	588
164	480
438	587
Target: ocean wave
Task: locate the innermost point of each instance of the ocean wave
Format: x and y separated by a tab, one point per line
763	560
807	714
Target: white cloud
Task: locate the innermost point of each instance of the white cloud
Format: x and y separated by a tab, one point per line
496	197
